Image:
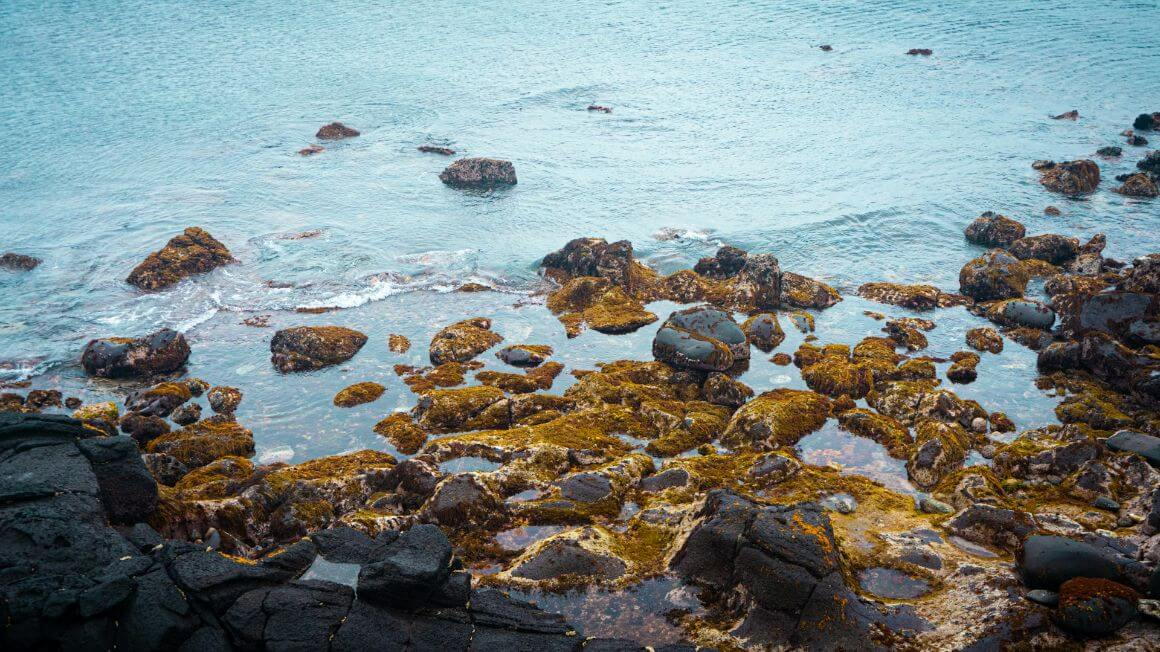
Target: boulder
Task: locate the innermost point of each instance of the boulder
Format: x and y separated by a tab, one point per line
720	389
763	331
463	340
1071	177
915	297
985	339
776	418
1047	562
123	357
804	292
1049	247
1022	312
336	131
358	394
524	355
193	252
1095	607
479	173
992	526
1146	446
994	275
727	263
1150	163
994	230
143	427
406	571
1147	121
465	500
701	338
1138	185
18	262
305	348
224	400
186	414
568	556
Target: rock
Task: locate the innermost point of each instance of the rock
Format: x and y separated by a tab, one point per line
776	418
1052	211
1111	151
18	262
463	501
1105	503
166	469
358	394
994	275
1146	121
1146	446
186	414
666	479
804	292
1047	562
159	400
105	412
940	448
122	357
700	338
142	427
479	173
1022	312
524	355
1071	177
205	441
463	341
826	48
985	339
720	389
593	257
305	348
963	371
916	297
435	149
406	571
1070	115
926	52
466	408
994	230
841	503
763	331
1136	140
1138	185
311	150
193	252
1150	163
599	109
1049	247
398	344
727	263
1043	597
567	556
224	400
595	302
402	432
1095	607
992	526
929	505
336	131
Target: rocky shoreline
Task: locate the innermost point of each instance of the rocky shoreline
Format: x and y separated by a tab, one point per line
146	525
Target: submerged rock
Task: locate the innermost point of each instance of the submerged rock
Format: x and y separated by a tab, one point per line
336	131
479	173
1071	177
435	149
994	230
462	341
193	252
305	348
18	262
1069	115
123	357
985	339
700	338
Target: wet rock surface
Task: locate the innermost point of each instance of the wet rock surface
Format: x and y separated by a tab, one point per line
1071	177
18	262
703	338
193	252
479	173
305	348
122	357
336	131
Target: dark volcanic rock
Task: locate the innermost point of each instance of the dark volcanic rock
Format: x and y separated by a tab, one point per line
1055	249
992	526
479	173
1095	607
143	427
336	131
700	338
193	252
305	348
994	275
1146	121
1150	163
122	357
565	557
18	262
764	331
406	571
1071	177
435	149
994	230
1046	562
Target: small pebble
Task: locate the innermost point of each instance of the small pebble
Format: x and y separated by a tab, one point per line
1103	502
932	506
1043	597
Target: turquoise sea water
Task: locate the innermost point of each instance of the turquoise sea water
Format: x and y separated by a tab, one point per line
127	121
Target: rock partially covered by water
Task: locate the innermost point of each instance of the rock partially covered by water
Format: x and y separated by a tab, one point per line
123	357
358	394
305	348
994	275
1138	185
462	341
1147	121
193	252
994	230
779	417
701	338
479	173
1095	607
804	292
18	262
1022	312
764	331
524	355
336	131
1049	247
1071	177
727	263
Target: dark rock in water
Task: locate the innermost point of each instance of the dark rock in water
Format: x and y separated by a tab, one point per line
143	427
166	469
463	500
726	263
994	275
1042	164
920	51
763	331
804	292
1124	314
1023	312
1102	356
667	479
700	338
159	400
994	230
1052	211
18	262
1095	607
720	389
565	557
1111	151
826	48
479	173
122	357
403	573
599	108
1146	446
592	257
524	355
992	526
1055	249
224	400
433	149
193	252
1071	177
1070	115
1146	121
462	341
305	348
1150	163
1138	185
1046	562
311	150
1136	140
336	131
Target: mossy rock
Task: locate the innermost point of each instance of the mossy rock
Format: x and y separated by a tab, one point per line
402	432
193	252
777	418
205	441
305	348
451	410
358	394
463	340
893	436
763	331
915	297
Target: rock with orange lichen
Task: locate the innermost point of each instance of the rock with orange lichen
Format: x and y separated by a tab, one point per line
598	304
398	343
448	374
962	370
463	340
905	334
985	339
358	394
776	418
305	348
192	252
401	431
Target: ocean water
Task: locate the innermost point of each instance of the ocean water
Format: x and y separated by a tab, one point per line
129	121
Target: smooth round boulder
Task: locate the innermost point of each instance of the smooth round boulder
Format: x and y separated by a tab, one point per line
1095	607
1027	313
700	338
764	331
122	357
1048	561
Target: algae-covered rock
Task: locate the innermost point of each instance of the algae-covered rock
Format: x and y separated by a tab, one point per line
985	339
763	331
1071	177
726	263
402	432
994	230
1049	247
451	410
122	357
18	262
700	338
398	343
776	418
466	500
224	400
192	252
358	394
962	369
159	400
305	348
205	441
479	173
834	374
1138	185
804	292
994	275
524	355
880	428
720	389
916	297
939	448
597	303
1095	607
580	553
463	340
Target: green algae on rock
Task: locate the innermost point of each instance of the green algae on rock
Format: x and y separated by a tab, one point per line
358	394
462	341
192	252
306	348
776	418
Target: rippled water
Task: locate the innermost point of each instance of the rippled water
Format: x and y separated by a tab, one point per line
128	121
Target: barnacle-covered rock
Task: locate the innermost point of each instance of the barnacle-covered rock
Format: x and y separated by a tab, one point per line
305	348
479	173
336	131
192	252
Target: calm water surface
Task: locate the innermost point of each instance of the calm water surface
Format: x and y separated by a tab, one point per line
128	121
